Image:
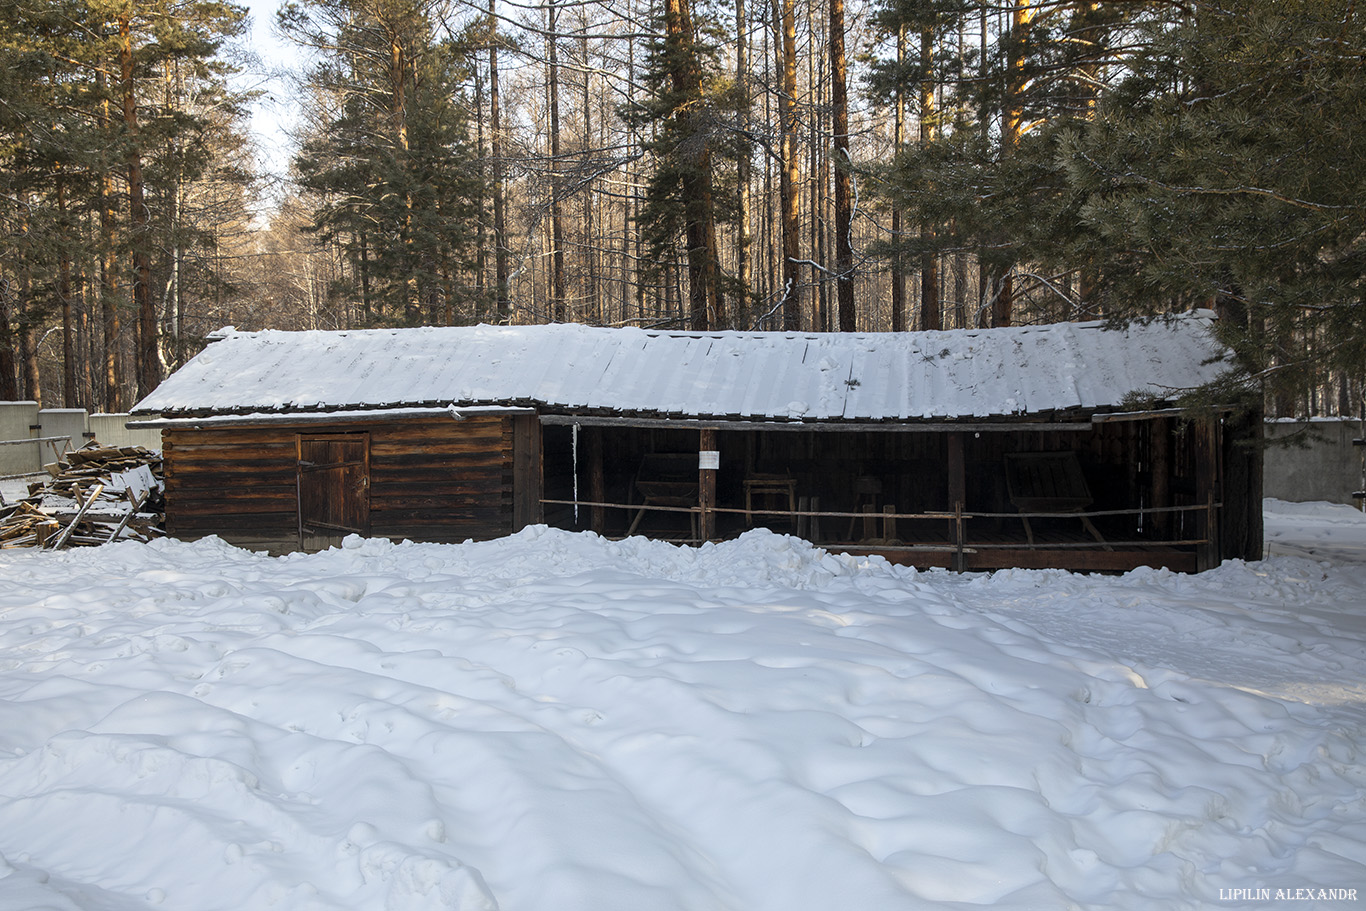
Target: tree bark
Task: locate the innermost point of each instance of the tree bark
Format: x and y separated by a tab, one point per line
789	175
930	317
839	96
149	354
109	311
898	140
704	300
559	307
70	395
744	238
500	247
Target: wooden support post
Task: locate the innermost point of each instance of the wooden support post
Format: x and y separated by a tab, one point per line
889	524
959	538
1160	471
706	477
1205	440
597	485
958	495
958	483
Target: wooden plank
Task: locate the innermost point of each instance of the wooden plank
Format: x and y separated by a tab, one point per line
65	533
236	497
265	522
437	460
528	474
217	456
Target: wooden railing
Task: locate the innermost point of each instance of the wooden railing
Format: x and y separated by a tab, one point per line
957	541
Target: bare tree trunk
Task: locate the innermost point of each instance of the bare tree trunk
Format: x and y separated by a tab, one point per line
590	243
898	140
70	398
9	379
481	237
1021	17
148	358
743	237
930	317
500	244
704	301
109	312
839	96
560	312
789	175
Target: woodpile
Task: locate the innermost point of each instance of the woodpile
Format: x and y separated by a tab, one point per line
95	495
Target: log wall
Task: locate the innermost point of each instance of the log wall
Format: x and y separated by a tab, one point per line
431	479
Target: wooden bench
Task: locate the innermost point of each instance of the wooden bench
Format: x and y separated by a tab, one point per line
667	479
1049	482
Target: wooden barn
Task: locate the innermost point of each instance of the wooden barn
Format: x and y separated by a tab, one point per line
974	449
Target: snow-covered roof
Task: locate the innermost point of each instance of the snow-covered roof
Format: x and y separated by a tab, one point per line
902	376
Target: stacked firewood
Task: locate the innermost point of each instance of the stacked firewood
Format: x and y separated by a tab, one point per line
95	495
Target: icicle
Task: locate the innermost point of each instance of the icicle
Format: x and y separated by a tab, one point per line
576	473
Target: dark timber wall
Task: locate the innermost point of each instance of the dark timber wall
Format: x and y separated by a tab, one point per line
427	479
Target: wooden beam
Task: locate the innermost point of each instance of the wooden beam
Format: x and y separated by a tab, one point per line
1206	452
597	484
958	478
689	423
1160	469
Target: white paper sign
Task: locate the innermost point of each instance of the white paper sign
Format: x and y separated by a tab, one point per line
709	459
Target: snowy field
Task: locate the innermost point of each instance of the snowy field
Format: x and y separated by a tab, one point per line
553	722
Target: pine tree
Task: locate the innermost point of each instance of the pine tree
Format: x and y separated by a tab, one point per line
692	105
389	156
1229	171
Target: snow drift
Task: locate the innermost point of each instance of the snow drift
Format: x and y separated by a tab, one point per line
555	721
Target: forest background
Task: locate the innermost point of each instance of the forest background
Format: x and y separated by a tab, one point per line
800	165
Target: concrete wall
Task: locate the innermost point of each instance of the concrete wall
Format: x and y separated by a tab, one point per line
1327	467
25	421
16	421
109	429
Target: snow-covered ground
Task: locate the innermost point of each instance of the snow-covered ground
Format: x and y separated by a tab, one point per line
553	722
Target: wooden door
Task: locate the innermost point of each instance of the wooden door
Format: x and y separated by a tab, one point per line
334	487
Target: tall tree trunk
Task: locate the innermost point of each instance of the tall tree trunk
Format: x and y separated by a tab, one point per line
590	242
500	245
9	379
930	317
109	283
704	302
839	96
70	396
743	168
789	175
24	316
481	239
148	348
560	310
1021	18
898	141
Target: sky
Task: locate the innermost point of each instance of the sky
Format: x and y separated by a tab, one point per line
273	115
